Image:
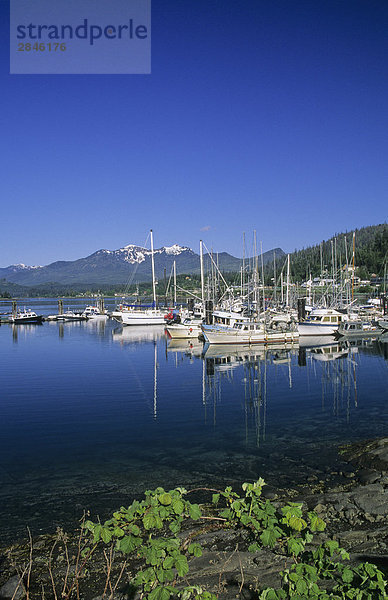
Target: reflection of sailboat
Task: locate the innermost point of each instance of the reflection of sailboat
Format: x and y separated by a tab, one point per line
128	335
227	358
246	352
225	365
312	341
192	347
241	352
96	325
338	370
328	353
155	379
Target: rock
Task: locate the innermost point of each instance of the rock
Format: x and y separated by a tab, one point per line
320	509
216	570
350	513
312	478
372	499
366	476
371	455
12	589
269	492
352	537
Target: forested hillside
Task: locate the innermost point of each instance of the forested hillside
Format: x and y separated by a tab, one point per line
371	254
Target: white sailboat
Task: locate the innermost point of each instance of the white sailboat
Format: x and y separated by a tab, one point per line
252	332
132	315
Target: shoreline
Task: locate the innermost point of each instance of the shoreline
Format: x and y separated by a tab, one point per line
354	511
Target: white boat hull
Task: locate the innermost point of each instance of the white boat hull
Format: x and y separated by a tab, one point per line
178	331
146	317
306	328
232	336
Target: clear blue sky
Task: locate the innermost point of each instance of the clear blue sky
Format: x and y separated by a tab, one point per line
268	115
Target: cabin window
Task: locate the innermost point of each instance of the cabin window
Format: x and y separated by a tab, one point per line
326	320
246	328
334	319
252	327
352	327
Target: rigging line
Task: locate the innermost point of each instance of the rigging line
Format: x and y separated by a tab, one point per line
211	258
169	281
188	292
135	373
132	275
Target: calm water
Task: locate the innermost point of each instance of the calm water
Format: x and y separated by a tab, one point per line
92	414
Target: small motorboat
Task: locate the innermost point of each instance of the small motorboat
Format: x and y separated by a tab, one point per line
190	328
357	329
93	312
26	316
70	315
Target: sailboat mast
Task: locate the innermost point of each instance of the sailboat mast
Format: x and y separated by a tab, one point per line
243	269
174	283
256	272
153	268
202	278
288	281
354	252
262	272
274	278
332	272
281	287
347	273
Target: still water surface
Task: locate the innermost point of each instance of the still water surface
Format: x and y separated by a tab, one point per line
92	414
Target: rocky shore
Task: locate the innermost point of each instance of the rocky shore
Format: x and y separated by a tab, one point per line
353	504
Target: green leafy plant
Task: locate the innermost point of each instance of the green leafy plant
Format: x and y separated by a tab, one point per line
151	532
138	529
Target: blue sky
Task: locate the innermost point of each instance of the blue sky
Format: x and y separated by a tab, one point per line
263	115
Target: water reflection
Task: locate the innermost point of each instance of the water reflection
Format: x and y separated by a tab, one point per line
318	363
91	410
22	330
137	334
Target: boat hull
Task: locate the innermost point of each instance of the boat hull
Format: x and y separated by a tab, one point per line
74	317
27	320
141	318
182	332
306	328
242	337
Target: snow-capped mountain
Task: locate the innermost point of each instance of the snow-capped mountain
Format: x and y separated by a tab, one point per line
130	263
136	254
22	267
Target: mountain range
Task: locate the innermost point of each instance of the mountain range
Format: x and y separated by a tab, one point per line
128	264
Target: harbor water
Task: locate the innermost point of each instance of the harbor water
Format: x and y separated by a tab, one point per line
92	414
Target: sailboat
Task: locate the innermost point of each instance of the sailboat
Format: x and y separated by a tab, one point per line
150	315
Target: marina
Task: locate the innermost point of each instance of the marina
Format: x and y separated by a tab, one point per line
97	405
194	325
